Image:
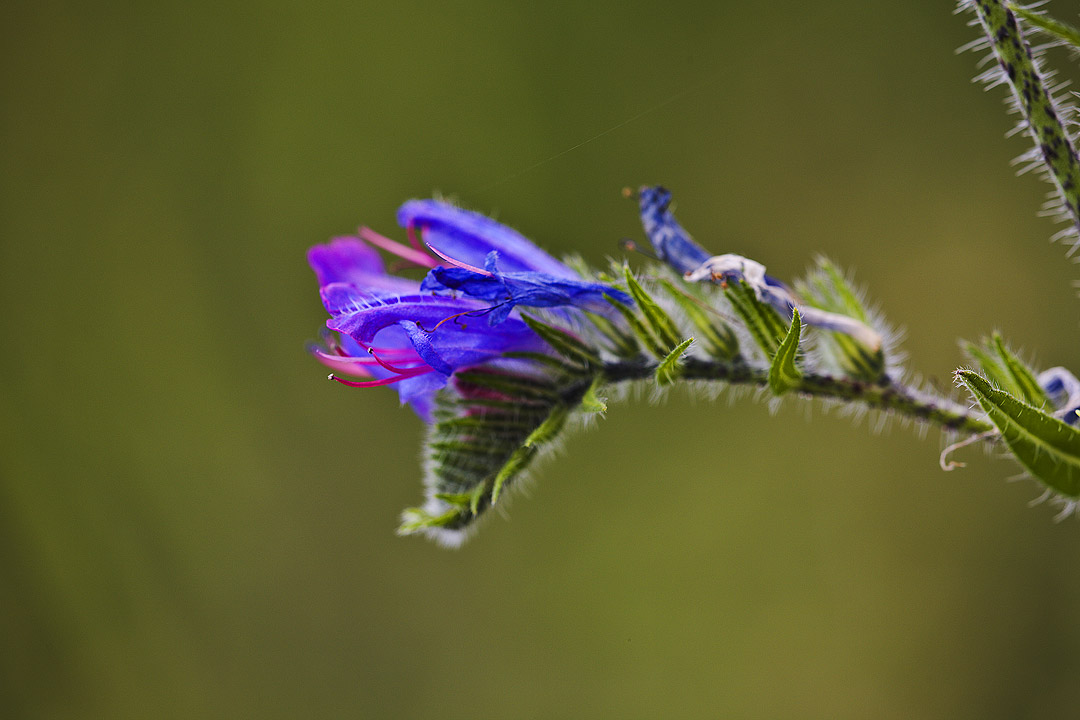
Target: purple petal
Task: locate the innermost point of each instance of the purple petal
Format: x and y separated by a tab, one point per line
475	341
531	289
468	237
421	340
450	336
419	393
343	259
351	261
363	322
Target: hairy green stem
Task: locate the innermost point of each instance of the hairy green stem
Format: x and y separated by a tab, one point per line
1035	102
901	399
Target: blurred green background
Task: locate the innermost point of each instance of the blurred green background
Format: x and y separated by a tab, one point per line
195	523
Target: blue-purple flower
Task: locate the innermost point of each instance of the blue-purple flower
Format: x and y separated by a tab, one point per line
394	330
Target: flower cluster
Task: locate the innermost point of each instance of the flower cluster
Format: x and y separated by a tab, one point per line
497	386
417	334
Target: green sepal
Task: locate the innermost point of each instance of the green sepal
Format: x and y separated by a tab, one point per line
1004	368
991	366
414	520
783	374
720	340
489	425
544	433
856	360
590	401
660	322
577	263
563	342
831	291
622	344
637	327
518	387
1022	376
669	369
517	462
469	501
543	359
550	428
762	321
827	289
1046	446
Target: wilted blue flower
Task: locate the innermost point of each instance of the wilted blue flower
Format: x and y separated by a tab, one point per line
393	330
674	246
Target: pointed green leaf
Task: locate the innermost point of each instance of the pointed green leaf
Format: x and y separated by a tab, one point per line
514	386
622	344
590	401
719	339
991	367
847	300
563	342
660	322
1022	377
488	426
556	363
828	289
783	374
415	520
550	428
668	370
517	462
544	433
459	499
856	360
764	324
643	334
1046	446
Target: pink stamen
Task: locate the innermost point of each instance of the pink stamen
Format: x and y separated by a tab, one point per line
347	365
343	359
458	263
399	352
339	357
402	354
376	383
391	368
410	230
402	251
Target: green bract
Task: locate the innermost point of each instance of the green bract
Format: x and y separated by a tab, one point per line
1046	446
